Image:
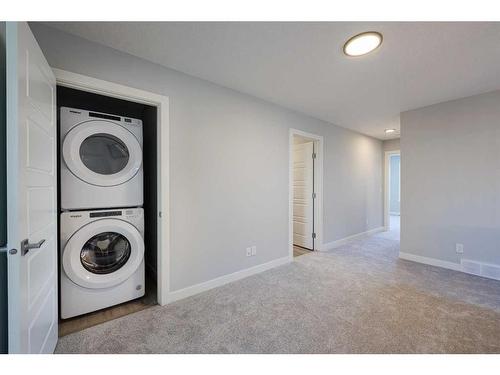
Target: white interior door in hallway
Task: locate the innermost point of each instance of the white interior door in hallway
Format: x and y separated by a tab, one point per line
303	195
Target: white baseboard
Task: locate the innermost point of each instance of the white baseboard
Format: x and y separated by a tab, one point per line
431	261
342	241
219	281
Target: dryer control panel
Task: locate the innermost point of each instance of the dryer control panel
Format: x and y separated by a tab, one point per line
105	116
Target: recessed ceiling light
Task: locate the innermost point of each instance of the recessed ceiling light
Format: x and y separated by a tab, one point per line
363	43
389	131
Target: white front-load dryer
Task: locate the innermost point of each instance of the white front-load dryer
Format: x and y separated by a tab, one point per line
101	259
101	160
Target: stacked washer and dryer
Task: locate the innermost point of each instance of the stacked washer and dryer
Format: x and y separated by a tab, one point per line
102	219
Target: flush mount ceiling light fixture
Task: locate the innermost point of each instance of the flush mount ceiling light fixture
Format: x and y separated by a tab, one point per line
363	43
390	131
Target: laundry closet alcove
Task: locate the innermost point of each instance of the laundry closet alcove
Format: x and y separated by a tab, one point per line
101	97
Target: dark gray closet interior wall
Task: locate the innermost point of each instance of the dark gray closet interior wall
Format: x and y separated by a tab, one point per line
150	146
3	197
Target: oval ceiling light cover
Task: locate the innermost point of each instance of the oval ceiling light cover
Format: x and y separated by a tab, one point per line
363	43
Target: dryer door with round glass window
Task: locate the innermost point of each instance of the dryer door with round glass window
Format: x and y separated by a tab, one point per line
102	153
103	253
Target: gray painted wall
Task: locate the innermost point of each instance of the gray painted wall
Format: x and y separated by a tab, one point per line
394	200
451	179
3	195
229	164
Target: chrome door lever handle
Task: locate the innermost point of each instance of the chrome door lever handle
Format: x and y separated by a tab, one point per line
27	246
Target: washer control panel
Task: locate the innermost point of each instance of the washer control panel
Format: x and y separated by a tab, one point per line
105	213
130	213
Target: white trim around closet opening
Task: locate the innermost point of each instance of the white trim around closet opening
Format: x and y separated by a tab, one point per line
89	84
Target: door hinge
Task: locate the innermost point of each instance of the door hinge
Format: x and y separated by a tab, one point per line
314	195
314	155
314	235
159	214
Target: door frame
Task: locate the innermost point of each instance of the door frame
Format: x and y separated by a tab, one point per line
318	188
387	185
161	102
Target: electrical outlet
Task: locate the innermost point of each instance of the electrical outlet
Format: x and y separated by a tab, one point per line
254	250
459	248
249	252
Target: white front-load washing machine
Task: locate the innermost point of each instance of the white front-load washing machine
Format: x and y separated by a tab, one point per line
101	259
101	160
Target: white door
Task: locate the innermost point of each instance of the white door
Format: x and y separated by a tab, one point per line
303	189
31	192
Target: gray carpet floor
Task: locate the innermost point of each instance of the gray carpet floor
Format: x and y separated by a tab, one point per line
359	298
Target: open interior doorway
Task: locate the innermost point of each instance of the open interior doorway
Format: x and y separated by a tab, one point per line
306	177
392	206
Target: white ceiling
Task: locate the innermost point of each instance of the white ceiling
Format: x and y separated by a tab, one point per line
301	65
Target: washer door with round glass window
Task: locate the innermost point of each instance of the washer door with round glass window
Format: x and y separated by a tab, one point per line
103	253
102	153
